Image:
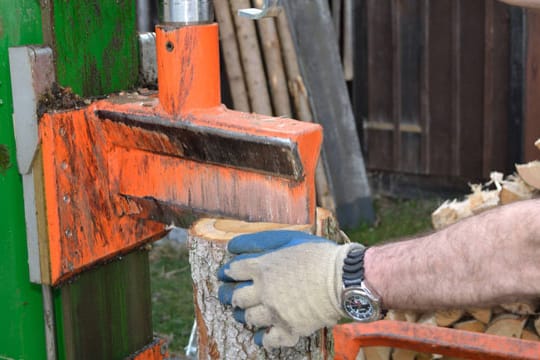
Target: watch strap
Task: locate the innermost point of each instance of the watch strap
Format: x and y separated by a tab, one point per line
353	267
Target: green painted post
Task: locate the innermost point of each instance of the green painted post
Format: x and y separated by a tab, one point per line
106	312
21	310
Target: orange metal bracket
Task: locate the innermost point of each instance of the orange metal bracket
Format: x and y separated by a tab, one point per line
349	338
157	350
120	170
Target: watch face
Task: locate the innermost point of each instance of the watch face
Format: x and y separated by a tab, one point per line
359	307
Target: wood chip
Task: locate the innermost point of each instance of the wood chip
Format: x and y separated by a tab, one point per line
403	354
530	173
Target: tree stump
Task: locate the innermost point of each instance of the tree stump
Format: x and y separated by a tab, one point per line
219	335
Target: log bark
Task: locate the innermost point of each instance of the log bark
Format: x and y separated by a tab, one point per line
220	336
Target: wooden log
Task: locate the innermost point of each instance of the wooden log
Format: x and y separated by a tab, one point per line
219	335
480	314
470	325
231	56
448	317
524	307
507	325
529	335
377	353
530	173
536	324
404	354
252	63
275	71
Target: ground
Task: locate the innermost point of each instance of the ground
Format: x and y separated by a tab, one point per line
171	284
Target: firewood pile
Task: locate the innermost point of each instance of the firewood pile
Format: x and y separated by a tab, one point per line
518	320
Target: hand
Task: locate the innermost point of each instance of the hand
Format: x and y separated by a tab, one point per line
285	283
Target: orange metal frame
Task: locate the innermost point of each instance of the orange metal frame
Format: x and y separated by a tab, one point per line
349	338
120	170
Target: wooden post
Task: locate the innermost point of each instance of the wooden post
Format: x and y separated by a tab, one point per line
219	335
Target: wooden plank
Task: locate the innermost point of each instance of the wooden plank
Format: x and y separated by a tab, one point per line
359	92
532	86
470	90
496	89
516	91
410	39
424	87
379	83
440	77
395	13
331	108
455	83
107	312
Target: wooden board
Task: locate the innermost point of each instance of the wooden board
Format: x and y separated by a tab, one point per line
331	108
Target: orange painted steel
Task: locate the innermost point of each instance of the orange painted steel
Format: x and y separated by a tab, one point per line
349	338
117	172
158	350
192	82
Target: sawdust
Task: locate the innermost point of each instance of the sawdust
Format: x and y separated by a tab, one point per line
60	98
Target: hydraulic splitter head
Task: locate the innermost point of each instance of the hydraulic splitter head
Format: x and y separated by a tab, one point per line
121	170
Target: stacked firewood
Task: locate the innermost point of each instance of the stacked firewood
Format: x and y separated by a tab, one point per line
518	320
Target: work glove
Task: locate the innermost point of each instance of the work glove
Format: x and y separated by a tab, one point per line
287	284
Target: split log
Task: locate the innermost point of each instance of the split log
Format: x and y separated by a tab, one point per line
220	336
470	325
522	308
482	315
537	144
507	325
448	317
377	353
252	63
404	354
231	56
529	335
530	173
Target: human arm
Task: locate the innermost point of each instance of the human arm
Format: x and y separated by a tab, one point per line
491	258
487	259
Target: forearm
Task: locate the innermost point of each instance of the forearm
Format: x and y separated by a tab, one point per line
491	258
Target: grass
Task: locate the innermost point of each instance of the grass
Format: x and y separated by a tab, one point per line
171	282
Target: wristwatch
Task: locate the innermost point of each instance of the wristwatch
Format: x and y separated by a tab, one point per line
358	301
